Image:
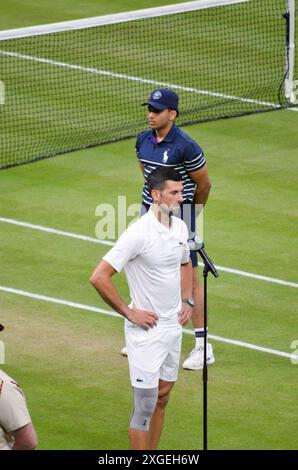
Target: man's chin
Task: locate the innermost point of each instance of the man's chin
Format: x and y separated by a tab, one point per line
175	211
170	210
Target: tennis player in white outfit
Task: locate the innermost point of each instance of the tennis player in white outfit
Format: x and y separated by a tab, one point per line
154	253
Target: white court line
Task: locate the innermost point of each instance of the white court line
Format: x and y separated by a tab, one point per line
54	231
114	314
256	276
104	242
137	79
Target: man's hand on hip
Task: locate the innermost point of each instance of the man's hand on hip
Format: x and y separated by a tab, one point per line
143	318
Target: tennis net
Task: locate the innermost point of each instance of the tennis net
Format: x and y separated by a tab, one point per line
78	84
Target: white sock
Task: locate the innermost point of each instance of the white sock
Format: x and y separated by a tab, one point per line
199	337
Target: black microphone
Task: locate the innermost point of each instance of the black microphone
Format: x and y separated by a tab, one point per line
196	244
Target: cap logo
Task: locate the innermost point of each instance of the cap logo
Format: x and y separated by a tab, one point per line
156	95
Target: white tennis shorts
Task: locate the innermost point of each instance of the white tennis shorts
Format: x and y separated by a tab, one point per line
153	354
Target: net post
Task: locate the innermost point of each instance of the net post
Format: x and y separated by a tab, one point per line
290	52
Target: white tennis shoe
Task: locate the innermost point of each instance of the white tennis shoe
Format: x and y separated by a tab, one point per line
195	360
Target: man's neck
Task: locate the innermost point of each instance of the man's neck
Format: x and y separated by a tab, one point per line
162	216
162	133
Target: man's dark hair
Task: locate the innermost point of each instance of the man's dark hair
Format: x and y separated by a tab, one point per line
158	177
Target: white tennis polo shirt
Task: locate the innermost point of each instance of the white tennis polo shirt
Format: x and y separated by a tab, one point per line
151	255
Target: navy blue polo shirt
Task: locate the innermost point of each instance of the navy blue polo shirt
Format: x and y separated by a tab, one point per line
176	150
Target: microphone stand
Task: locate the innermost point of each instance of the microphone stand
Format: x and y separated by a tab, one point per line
197	245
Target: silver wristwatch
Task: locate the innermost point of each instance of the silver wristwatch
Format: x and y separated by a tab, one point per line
189	301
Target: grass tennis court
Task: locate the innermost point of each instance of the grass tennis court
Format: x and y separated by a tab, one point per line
67	360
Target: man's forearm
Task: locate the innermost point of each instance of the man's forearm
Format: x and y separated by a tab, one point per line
101	280
108	292
201	195
186	280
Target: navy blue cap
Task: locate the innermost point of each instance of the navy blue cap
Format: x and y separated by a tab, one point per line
163	99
